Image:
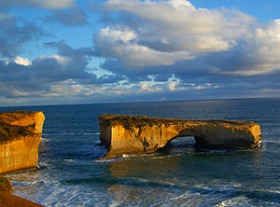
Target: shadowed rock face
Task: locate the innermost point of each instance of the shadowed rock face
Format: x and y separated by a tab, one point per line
140	134
9	200
5	185
20	135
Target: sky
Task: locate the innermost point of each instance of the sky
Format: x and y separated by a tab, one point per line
106	51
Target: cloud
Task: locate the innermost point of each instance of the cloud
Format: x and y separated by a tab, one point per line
262	51
141	50
165	38
22	61
64	74
114	43
170	28
70	17
14	36
49	4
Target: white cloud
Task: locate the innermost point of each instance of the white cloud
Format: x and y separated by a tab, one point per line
123	45
172	85
154	33
148	48
163	33
22	61
262	51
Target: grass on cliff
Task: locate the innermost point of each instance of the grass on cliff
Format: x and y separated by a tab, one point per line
140	120
9	133
16	112
136	120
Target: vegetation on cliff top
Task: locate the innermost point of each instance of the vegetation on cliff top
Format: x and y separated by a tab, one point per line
12	132
9	133
137	120
140	120
13	115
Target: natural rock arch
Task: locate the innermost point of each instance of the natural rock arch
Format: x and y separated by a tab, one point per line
124	134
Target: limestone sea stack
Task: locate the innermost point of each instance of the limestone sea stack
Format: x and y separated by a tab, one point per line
124	134
20	135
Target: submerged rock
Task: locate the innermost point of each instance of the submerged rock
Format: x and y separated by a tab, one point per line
20	135
124	134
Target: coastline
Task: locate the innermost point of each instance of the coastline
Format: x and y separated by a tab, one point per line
20	135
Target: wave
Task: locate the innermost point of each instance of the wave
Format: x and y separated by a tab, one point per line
115	191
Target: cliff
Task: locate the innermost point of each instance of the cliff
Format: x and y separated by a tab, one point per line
141	134
20	135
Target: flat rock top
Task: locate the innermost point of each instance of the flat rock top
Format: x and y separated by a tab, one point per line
20	118
136	120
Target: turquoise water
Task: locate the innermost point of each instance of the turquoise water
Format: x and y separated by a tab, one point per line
72	174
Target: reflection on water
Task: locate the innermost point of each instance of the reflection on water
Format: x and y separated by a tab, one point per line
145	167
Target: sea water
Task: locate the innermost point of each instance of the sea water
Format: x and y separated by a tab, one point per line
72	173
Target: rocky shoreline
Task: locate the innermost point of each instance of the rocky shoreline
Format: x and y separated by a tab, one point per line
9	200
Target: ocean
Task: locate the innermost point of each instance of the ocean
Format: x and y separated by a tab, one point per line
72	172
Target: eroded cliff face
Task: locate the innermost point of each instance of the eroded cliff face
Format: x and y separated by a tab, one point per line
20	135
140	134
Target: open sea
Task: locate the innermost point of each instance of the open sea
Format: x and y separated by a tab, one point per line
72	173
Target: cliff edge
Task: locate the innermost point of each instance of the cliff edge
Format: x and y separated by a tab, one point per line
123	134
20	135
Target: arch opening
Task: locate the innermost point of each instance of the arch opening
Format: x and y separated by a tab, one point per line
180	145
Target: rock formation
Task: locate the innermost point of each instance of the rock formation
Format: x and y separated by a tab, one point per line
141	134
5	185
9	200
20	135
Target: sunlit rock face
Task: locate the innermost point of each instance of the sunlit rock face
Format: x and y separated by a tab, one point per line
141	134
20	135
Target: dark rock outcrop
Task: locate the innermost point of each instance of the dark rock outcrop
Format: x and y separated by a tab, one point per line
9	200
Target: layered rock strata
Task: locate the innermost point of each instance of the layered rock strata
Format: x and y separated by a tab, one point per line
20	135
124	134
